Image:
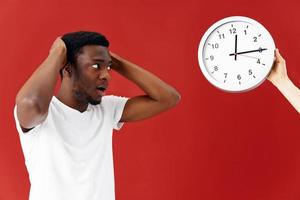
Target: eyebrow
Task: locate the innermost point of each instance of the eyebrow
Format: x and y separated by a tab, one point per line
101	60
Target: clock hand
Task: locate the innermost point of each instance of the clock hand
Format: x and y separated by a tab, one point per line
243	52
235	47
249	56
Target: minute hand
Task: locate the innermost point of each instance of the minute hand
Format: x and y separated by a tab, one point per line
243	52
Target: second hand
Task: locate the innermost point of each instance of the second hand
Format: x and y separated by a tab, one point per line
248	56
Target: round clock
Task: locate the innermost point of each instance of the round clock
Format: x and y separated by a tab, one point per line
236	54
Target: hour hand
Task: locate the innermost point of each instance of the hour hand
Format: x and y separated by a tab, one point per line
251	51
235	47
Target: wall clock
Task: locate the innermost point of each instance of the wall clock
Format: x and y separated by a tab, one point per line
236	54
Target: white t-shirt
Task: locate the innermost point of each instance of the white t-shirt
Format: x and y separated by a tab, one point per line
69	155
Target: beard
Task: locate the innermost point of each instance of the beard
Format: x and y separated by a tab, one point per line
93	101
80	91
85	98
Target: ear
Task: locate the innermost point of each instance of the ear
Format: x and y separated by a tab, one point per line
67	70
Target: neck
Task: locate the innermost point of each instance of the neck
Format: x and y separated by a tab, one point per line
66	95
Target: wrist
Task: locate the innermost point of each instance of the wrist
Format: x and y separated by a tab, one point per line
56	59
59	55
282	83
58	49
117	62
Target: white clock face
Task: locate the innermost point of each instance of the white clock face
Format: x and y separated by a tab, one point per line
236	54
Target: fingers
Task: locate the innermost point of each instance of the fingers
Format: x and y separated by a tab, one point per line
278	56
112	54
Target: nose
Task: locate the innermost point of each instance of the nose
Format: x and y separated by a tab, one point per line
104	74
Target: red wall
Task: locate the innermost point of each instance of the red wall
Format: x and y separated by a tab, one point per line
213	145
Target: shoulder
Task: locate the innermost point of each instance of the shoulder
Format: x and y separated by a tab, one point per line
113	104
111	100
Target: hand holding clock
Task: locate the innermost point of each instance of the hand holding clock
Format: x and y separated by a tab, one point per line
279	78
278	73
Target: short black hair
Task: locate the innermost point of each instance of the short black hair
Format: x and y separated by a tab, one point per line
74	42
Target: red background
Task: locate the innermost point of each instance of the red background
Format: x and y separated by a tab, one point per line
213	145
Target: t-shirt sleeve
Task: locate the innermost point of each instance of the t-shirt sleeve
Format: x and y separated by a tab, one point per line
119	104
29	139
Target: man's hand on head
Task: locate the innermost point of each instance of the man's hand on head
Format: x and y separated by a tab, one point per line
158	95
59	48
116	61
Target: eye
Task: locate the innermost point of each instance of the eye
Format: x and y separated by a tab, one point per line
96	66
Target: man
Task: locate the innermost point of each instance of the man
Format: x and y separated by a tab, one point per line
67	138
281	81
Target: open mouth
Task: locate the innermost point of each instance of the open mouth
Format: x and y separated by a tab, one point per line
101	89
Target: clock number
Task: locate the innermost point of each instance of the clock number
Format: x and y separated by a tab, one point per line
239	77
222	36
215	46
254	39
250	72
225	74
258	61
211	57
216	68
245	31
232	31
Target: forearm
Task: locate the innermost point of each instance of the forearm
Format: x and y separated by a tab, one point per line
38	89
154	87
290	91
